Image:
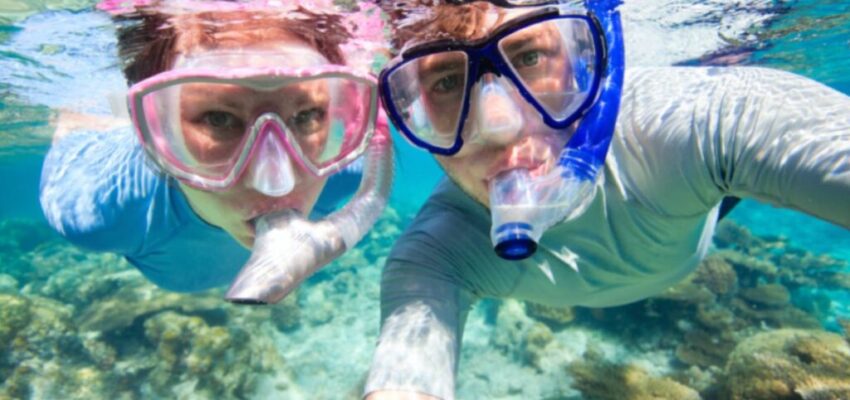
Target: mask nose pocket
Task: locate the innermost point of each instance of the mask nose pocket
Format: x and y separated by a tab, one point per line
498	119
270	171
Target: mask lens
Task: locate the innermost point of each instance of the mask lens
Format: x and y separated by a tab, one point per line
330	118
428	94
203	127
197	127
556	62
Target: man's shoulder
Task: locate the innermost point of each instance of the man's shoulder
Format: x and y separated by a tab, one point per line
448	212
669	78
451	228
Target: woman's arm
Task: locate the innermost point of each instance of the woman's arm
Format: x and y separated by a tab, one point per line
69	121
96	189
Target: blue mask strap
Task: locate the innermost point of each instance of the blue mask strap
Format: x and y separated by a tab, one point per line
586	149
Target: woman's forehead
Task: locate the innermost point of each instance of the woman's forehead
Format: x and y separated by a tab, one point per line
229	30
270	54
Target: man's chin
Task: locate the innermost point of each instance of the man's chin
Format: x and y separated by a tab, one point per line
483	198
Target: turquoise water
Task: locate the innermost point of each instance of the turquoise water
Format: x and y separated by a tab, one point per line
83	325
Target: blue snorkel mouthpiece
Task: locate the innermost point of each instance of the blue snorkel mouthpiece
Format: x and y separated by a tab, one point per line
515	241
523	207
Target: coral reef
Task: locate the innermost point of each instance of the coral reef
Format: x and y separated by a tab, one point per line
746	286
81	325
770	295
536	341
286	315
599	379
556	317
8	284
789	364
190	354
774	260
716	275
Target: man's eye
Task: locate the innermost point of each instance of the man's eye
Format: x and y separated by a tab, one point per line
527	59
448	83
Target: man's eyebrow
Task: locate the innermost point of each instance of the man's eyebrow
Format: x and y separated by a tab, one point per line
443	65
520	40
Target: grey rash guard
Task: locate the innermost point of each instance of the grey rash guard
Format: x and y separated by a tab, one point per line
685	138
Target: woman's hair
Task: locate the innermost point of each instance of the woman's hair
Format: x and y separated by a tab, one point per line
435	19
150	38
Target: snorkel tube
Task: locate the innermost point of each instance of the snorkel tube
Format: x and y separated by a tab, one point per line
289	248
524	207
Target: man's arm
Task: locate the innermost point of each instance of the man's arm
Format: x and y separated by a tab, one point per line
689	136
788	145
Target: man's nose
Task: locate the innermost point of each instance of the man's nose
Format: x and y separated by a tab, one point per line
498	118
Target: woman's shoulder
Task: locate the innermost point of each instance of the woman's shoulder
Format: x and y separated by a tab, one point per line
94	180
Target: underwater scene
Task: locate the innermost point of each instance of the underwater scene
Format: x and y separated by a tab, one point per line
765	316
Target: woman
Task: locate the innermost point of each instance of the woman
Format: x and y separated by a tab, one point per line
242	110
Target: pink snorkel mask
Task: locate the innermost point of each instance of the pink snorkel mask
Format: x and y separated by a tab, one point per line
211	122
258	113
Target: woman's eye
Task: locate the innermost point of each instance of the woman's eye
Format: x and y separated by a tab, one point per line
220	120
309	120
447	83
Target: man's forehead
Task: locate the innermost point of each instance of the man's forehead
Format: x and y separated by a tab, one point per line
474	22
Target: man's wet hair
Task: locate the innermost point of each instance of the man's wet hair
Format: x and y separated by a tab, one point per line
434	19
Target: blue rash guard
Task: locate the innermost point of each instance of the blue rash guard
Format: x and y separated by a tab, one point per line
99	191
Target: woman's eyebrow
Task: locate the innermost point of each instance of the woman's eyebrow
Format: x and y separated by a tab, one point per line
224	93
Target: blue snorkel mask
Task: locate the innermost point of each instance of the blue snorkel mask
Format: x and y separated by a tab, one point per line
574	74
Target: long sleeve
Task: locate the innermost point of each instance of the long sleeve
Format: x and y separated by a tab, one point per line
749	132
99	192
96	190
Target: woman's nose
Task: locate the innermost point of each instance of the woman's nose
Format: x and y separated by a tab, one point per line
270	168
498	118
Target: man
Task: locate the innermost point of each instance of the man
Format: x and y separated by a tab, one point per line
553	196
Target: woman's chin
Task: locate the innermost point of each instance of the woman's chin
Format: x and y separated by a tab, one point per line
247	243
245	238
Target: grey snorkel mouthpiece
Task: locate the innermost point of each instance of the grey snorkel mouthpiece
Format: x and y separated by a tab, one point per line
288	247
284	237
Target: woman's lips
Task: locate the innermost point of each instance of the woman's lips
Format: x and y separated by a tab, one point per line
254	216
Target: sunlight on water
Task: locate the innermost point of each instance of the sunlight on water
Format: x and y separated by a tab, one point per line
15	10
